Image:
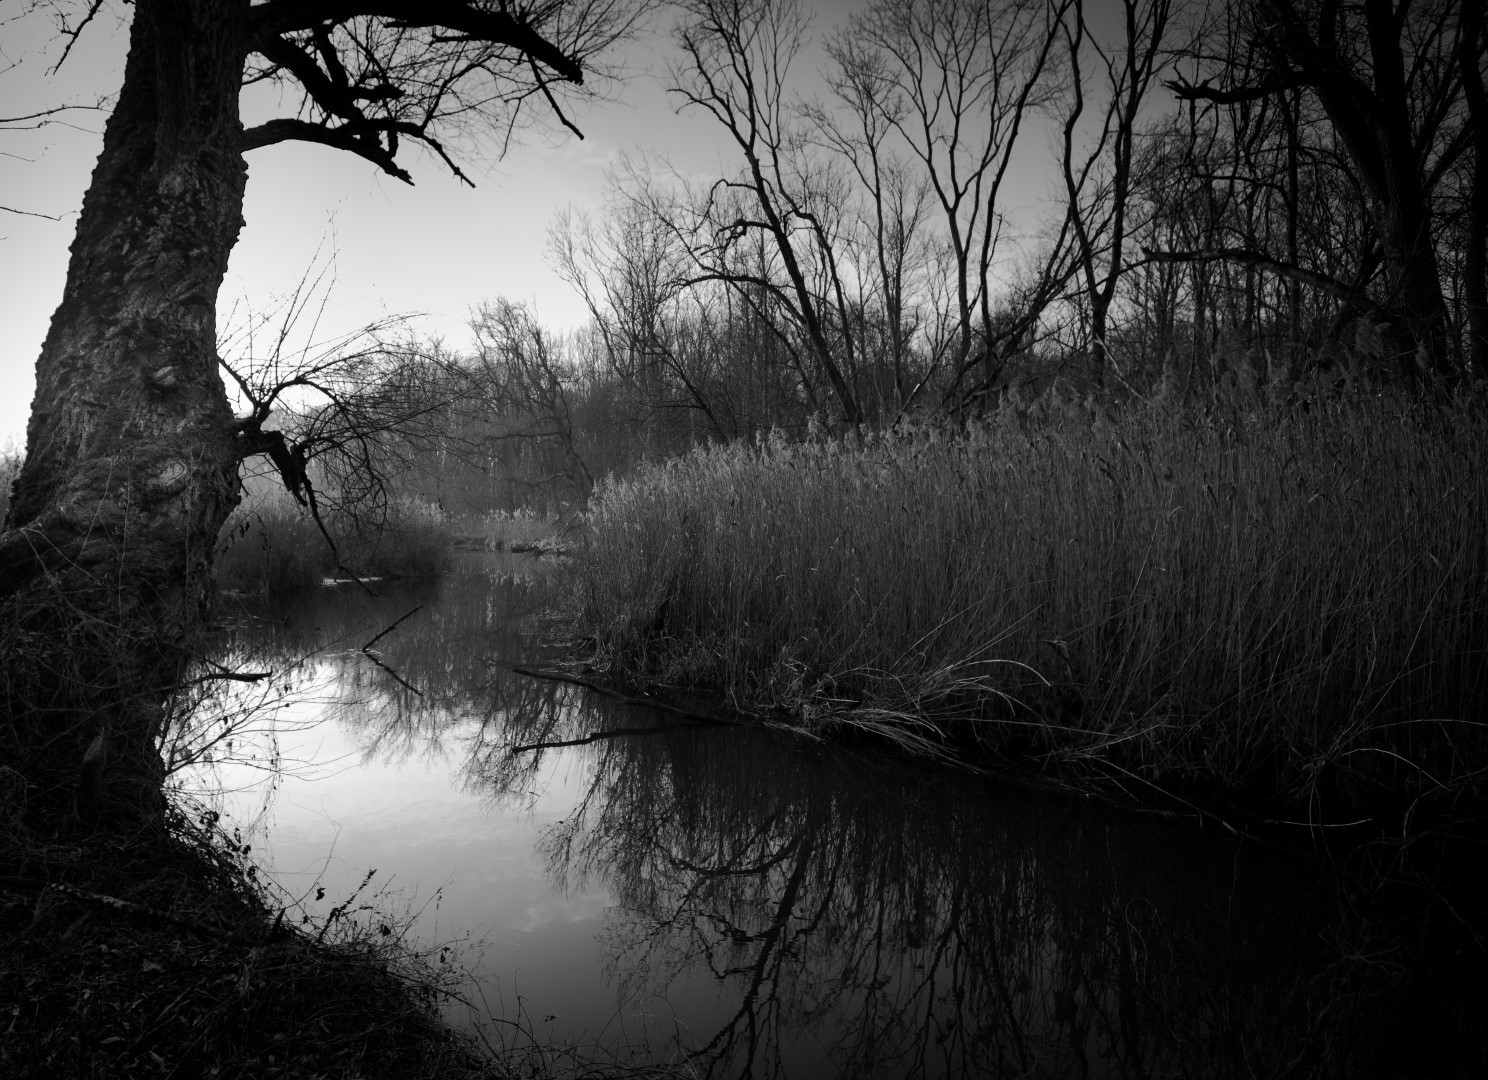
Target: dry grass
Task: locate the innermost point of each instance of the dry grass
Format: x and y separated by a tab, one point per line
1283	601
10	466
272	544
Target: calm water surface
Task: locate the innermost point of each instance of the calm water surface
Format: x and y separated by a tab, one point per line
755	904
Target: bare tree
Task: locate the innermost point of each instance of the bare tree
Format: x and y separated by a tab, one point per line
132	452
1099	188
892	236
1257	202
738	55
956	81
521	375
349	414
632	273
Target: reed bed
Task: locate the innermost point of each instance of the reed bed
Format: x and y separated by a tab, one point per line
272	544
1286	602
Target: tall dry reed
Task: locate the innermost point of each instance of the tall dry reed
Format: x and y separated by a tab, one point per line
11	460
1284	600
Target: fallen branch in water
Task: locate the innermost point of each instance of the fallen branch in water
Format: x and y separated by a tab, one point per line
367	652
627	699
619	733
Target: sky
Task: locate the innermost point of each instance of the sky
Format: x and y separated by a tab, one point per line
437	249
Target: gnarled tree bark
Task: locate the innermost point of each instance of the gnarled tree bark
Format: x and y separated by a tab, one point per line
130	469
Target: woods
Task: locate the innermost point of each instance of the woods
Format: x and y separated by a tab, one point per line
971	202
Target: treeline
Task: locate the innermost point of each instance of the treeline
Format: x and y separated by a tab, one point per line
1229	193
1226	197
1236	198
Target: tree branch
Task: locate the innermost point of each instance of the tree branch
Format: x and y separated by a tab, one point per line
1277	83
552	102
1251	257
285	129
269	21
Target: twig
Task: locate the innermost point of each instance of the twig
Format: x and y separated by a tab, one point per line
391	628
368	654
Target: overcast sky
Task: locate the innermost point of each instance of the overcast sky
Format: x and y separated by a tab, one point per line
438	248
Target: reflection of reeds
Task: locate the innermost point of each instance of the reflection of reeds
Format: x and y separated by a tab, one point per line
1273	600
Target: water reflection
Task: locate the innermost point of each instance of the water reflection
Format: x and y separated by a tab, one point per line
892	922
776	908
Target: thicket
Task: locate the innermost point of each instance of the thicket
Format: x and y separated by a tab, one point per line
1284	602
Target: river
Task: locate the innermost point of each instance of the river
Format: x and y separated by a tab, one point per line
745	902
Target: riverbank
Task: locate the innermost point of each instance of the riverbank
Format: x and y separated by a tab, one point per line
139	937
154	950
1276	607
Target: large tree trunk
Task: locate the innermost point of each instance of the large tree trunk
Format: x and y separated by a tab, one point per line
1373	121
130	467
1475	259
1416	332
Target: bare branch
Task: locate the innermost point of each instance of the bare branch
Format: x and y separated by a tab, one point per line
43	115
1261	260
31	213
497	27
283	130
73	34
552	102
1203	91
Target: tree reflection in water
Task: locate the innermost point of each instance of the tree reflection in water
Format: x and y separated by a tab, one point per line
783	908
875	919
